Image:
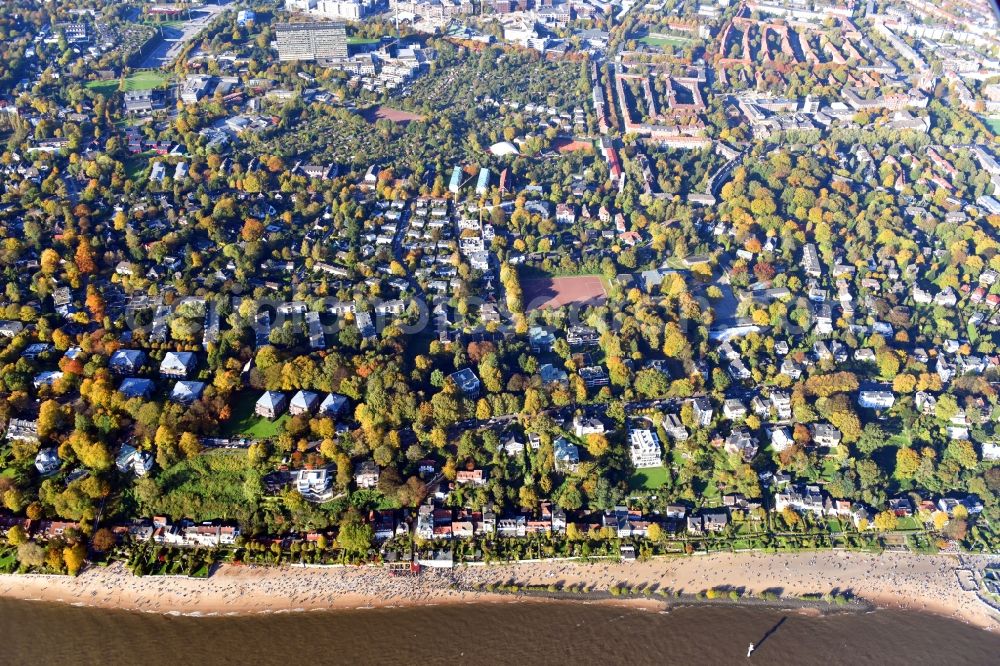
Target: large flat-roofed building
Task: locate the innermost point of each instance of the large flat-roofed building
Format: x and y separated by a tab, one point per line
311	41
350	10
143	102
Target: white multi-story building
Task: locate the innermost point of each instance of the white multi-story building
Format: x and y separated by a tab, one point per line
782	403
314	484
351	10
876	399
644	448
802	498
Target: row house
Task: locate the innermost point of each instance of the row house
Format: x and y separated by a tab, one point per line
190	534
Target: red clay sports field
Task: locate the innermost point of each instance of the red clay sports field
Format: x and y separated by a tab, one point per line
540	293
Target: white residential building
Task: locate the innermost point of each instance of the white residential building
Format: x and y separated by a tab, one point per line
314	484
47	462
178	364
583	426
644	448
780	439
876	399
567	455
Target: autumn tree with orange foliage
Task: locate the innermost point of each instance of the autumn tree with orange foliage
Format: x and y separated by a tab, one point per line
95	304
84	257
253	230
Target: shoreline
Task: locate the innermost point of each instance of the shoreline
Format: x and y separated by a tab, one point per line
898	581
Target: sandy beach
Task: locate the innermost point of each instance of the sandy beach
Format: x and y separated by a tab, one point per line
893	580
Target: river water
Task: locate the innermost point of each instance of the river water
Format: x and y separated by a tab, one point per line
563	633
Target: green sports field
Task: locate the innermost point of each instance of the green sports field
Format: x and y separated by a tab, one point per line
145	80
665	41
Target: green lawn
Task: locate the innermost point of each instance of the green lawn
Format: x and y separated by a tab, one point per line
145	80
993	124
136	164
911	523
200	572
711	495
649	478
8	560
829	468
665	40
245	422
359	41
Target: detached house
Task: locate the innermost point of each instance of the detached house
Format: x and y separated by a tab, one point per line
674	428
565	214
126	361
333	405
740	442
303	402
550	374
872	399
567	455
540	339
9	329
47	378
314	484
790	369
187	392
473	477
823	318
512	445
925	402
583	426
132	387
271	405
946	298
825	435
366	474
594	376
733	409
47	462
709	522
22	430
803	498
582	336
178	364
780	439
130	460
